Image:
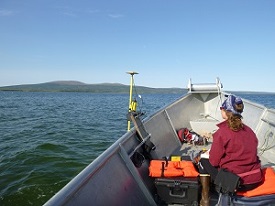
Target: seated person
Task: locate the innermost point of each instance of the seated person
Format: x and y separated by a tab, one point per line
234	148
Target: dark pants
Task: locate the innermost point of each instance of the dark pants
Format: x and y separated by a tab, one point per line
205	167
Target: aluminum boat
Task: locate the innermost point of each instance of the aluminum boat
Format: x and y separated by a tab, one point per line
119	176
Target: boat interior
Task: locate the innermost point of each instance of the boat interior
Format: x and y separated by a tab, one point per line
120	175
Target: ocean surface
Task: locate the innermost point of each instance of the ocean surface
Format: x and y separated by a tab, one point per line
48	138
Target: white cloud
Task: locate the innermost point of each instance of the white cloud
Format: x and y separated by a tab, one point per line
69	13
115	16
93	11
6	12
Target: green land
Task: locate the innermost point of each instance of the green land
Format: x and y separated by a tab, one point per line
75	86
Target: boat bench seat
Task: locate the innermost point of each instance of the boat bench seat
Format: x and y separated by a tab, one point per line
266	188
264	194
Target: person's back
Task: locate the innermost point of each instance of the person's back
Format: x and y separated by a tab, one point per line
236	151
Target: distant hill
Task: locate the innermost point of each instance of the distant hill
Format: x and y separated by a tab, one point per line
76	86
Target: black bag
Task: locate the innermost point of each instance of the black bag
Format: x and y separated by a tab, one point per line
226	182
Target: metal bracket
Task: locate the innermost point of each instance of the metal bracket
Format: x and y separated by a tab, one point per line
142	133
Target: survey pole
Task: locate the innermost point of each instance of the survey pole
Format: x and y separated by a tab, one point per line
132	73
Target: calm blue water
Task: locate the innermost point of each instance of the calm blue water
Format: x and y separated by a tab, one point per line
48	138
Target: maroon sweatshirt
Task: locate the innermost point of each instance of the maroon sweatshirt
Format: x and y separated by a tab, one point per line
236	151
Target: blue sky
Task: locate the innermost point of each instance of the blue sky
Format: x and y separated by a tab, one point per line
166	41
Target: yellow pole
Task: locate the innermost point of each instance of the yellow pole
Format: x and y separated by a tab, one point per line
132	73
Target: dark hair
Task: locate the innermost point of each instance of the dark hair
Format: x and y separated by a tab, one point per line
234	121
